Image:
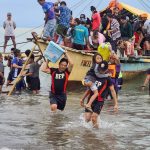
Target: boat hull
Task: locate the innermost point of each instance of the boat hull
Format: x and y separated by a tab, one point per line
83	62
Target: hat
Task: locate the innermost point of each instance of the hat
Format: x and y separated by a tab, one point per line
103	66
8	14
123	17
144	15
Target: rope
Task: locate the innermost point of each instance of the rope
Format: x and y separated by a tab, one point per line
99	3
84	7
142	4
17	43
146	5
77	4
22	46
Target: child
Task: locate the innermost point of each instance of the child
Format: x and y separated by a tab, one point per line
103	85
114	69
89	80
34	75
2	79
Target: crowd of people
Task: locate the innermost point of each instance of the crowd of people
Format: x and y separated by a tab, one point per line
129	35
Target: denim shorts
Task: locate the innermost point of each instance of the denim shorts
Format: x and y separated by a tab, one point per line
49	29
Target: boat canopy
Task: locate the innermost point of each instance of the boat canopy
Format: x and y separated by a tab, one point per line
134	10
129	8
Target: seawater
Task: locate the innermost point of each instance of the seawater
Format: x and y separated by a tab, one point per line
26	121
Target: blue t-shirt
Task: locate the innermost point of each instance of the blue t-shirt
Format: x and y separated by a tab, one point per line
18	62
80	33
65	16
48	8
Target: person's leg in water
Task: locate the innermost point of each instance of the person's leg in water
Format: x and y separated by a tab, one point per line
94	119
92	99
5	42
93	88
87	116
53	107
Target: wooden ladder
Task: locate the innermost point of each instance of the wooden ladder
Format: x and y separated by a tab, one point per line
37	53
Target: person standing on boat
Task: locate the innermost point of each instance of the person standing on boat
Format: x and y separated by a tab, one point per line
80	36
95	39
50	20
96	19
9	25
146	29
60	77
126	29
114	31
64	19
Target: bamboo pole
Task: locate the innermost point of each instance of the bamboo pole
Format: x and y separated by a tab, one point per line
23	68
20	75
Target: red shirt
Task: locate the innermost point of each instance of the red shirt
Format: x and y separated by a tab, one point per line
137	37
96	21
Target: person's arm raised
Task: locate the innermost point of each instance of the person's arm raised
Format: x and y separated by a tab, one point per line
44	67
70	66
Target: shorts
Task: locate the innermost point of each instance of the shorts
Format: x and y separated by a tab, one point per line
49	29
78	46
28	79
59	100
35	83
96	107
7	38
61	30
10	76
93	87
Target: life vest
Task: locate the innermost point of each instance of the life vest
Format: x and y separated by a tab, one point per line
120	75
112	70
104	50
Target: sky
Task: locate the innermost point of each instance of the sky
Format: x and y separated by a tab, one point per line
28	13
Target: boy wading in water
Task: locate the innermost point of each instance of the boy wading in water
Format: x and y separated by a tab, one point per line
33	73
103	84
60	77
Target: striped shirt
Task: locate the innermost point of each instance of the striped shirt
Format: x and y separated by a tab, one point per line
115	27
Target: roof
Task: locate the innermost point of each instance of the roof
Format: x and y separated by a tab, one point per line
134	10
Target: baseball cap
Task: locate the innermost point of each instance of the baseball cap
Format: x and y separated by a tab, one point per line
144	15
103	66
8	14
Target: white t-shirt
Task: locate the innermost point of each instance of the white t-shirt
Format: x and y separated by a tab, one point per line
147	26
9	26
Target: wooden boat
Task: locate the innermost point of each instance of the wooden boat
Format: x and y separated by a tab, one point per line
83	61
